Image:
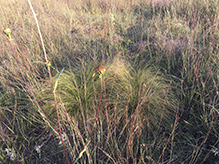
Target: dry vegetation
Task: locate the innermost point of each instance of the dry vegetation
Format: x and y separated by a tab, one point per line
157	101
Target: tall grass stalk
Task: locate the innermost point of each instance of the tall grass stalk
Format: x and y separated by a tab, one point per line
48	67
57	112
41	38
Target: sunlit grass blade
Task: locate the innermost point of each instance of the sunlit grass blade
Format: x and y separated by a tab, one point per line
56	83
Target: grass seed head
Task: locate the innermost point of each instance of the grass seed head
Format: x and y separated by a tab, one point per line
7	31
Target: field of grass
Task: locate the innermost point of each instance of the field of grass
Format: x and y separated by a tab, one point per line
157	101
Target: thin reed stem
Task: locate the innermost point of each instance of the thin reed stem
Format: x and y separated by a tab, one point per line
48	68
98	109
38	27
41	38
60	131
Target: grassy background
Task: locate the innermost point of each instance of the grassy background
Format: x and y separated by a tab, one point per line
158	97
